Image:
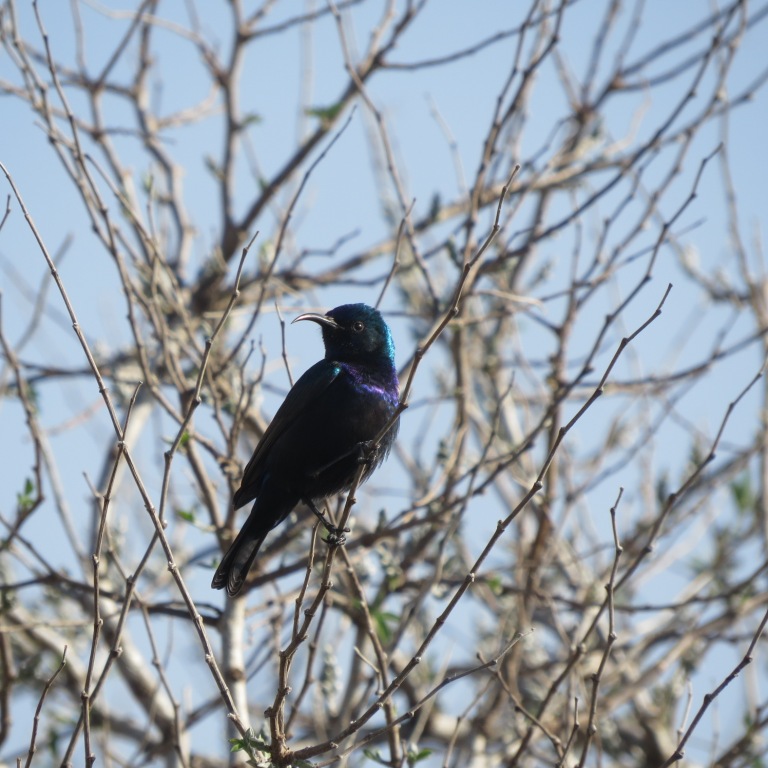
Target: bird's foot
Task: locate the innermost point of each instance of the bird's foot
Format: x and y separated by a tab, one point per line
336	536
367	452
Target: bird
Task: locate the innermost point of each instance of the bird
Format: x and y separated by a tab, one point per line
325	427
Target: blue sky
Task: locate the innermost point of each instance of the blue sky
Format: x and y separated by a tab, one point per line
344	196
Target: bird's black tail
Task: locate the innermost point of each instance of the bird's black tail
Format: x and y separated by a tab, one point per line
236	563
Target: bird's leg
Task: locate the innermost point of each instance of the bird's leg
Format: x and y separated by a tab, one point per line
336	535
367	452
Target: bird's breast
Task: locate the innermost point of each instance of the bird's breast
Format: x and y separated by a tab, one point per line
372	386
319	454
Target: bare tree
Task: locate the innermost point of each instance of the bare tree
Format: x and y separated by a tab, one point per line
564	561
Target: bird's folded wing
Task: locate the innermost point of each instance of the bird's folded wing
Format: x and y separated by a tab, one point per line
302	396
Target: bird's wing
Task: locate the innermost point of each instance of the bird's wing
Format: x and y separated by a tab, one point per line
302	395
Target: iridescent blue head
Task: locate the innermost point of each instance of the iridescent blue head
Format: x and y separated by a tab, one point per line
355	333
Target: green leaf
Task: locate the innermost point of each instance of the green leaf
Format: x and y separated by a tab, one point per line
326	115
237	745
453	254
375	755
251	743
27	498
29	391
34	397
252	118
435	206
743	494
414	757
494	583
148	183
662	489
214	168
383	620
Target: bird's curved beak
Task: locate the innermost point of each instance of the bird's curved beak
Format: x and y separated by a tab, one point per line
320	319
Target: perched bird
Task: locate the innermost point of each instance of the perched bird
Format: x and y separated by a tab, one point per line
321	433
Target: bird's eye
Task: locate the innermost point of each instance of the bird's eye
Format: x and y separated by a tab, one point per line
358	326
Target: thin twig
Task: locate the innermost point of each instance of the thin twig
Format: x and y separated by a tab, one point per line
39	708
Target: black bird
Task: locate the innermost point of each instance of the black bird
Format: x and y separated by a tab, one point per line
323	430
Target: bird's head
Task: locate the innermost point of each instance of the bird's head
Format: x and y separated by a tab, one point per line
354	332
